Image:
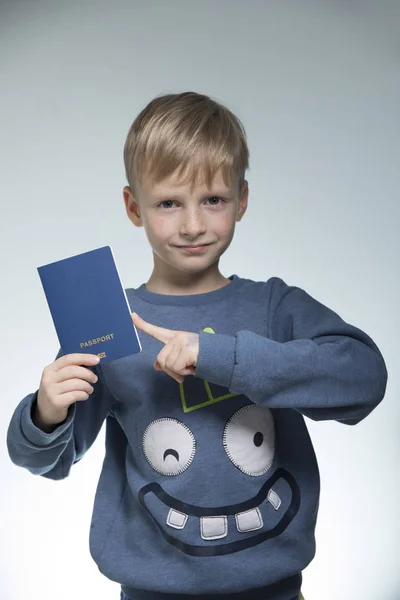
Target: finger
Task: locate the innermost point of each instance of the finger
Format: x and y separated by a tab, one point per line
75	372
186	371
169	356
161	357
180	361
159	333
76	396
74	385
177	376
74	359
174	368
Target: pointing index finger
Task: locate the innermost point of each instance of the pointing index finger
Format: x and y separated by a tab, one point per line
159	333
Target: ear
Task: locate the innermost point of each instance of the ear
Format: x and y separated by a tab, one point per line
242	206
132	207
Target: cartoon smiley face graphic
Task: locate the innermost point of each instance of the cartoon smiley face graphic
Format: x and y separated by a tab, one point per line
248	443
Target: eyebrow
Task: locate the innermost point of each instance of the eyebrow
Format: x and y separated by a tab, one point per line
178	194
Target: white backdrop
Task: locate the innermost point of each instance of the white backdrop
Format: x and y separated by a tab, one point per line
316	84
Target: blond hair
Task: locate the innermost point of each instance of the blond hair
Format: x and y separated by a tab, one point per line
189	133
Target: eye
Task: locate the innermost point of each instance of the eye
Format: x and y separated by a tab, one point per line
249	439
167	204
214	201
169	446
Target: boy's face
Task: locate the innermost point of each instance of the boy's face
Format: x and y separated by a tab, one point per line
188	230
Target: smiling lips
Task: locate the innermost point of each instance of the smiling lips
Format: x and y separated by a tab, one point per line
196	249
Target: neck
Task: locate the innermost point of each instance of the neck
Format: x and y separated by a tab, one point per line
178	283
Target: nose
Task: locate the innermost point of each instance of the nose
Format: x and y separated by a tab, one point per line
193	223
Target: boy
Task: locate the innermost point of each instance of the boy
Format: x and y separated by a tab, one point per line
210	484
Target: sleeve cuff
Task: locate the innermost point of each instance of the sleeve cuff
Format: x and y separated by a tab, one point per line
216	358
36	436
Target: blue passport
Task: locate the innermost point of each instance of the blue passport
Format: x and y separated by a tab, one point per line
89	306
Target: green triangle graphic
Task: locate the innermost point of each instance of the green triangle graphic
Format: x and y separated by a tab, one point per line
211	399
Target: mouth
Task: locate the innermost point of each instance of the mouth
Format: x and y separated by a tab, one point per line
195	248
244	524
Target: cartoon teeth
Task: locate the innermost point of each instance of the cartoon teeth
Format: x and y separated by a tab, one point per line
216	527
274	499
251	520
176	519
213	528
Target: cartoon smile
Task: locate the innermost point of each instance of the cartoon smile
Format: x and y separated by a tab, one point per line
232	522
248	442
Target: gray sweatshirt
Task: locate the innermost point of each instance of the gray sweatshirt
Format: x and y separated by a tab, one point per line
211	487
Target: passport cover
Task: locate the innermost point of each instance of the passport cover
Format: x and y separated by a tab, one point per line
89	306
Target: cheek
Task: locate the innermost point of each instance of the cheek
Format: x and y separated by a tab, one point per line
157	229
225	223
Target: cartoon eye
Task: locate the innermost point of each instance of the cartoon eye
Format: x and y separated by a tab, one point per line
169	446
249	439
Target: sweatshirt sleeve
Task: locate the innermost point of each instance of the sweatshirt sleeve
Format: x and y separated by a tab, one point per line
311	360
53	454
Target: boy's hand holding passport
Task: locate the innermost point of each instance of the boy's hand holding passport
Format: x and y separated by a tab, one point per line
86	298
93	321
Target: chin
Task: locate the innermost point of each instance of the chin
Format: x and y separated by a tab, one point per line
195	269
191	264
